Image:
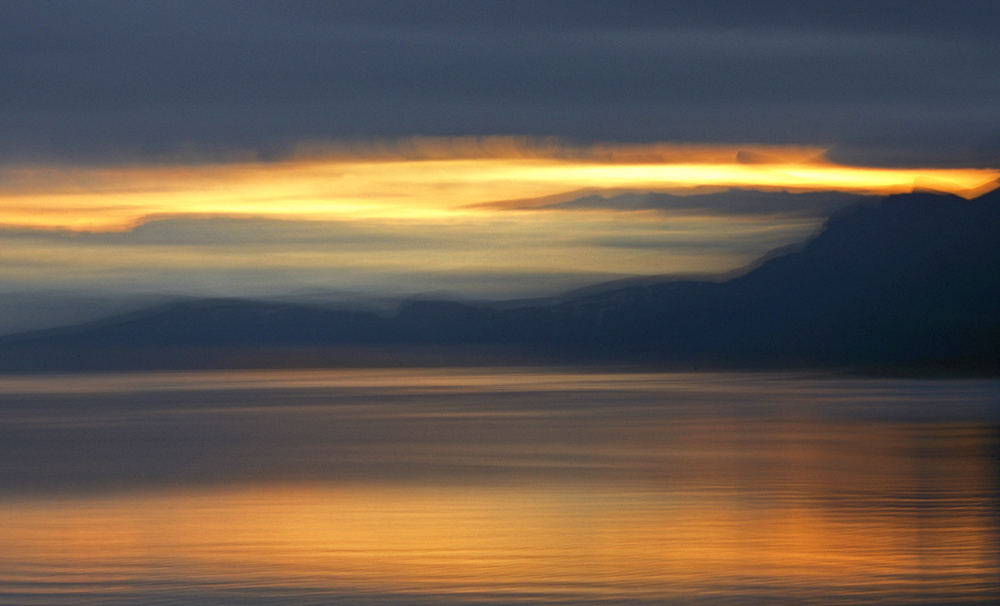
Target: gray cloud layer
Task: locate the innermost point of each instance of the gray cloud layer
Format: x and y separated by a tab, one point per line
560	247
729	202
915	82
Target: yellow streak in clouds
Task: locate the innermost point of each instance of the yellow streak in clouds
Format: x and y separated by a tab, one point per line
435	180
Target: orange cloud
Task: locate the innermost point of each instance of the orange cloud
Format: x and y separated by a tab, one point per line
430	179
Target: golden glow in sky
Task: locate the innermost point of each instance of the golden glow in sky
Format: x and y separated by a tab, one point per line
479	217
431	180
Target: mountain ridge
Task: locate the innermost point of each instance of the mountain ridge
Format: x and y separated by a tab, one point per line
913	279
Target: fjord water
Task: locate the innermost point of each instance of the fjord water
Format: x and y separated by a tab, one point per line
497	486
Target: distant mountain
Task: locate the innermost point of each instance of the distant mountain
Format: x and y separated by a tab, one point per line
916	277
216	322
913	279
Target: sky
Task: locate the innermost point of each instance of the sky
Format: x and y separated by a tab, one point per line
476	149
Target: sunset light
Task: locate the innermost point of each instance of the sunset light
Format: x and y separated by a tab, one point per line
429	188
548	302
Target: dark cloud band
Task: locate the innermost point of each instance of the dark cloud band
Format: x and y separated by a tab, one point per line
892	83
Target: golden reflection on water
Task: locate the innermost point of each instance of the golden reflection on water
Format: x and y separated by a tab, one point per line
647	504
477	539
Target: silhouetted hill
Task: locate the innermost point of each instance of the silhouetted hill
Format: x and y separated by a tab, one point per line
212	322
914	279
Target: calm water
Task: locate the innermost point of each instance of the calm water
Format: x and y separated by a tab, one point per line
460	487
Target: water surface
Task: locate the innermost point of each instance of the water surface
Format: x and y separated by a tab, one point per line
465	486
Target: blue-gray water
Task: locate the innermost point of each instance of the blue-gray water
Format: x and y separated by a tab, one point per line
459	487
